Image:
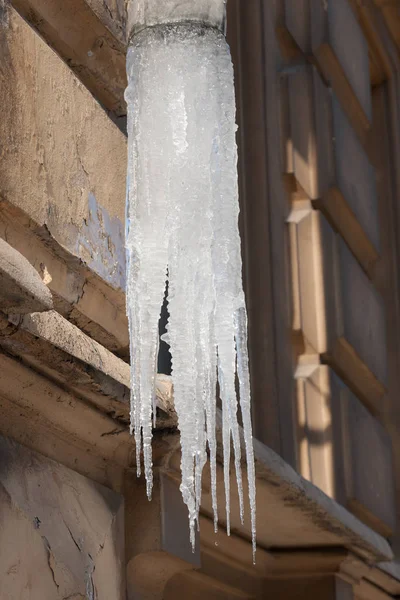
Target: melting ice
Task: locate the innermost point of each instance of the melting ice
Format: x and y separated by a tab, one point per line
182	215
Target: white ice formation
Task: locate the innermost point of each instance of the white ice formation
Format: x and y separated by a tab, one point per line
182	215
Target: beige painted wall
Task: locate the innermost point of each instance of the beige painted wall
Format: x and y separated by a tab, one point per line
63	161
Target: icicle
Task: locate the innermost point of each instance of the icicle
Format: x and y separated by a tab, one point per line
182	217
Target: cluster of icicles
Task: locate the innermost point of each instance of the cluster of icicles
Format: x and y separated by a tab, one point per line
182	215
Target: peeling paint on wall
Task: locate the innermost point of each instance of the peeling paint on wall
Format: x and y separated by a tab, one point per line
100	244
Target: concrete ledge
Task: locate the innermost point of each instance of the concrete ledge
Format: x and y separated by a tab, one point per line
54	347
78	292
387	577
322	513
53	328
291	512
38	413
21	288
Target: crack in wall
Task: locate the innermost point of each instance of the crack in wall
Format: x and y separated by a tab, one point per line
72	537
50	557
114	432
91	592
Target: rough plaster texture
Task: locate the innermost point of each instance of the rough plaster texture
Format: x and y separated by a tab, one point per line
63	161
61	535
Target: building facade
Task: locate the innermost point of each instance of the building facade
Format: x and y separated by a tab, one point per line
318	95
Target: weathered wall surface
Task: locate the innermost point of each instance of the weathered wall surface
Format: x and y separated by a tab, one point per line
112	13
61	535
63	161
89	35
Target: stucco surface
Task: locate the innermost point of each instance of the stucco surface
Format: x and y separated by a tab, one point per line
63	161
61	535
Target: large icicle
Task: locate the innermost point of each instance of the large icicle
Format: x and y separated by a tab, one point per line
182	215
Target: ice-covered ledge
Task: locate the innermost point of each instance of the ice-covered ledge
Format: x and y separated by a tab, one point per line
148	13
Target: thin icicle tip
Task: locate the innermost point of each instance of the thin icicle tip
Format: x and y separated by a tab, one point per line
182	219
